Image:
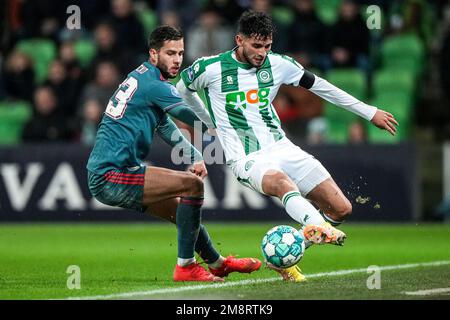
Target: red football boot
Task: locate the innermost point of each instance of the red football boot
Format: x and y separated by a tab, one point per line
194	272
232	264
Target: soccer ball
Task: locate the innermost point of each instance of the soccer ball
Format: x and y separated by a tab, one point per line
283	246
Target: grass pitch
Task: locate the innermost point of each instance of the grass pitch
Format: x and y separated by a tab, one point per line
136	261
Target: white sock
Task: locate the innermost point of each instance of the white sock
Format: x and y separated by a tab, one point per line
300	209
217	264
185	262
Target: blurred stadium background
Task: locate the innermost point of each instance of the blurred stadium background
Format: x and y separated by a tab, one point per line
55	83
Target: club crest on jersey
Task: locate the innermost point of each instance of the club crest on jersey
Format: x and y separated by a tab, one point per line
249	164
264	76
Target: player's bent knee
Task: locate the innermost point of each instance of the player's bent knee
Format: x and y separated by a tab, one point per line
344	211
193	186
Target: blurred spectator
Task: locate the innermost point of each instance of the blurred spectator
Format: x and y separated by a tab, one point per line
412	16
289	112
307	104
307	35
316	131
47	124
357	133
209	37
280	43
170	18
284	107
445	64
105	83
183	12
64	88
442	211
350	38
130	33
19	76
42	18
108	49
69	58
230	10
91	117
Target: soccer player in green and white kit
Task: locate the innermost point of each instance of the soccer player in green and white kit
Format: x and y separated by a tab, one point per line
240	86
117	175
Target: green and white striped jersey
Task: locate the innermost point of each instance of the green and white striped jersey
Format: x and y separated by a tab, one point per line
239	98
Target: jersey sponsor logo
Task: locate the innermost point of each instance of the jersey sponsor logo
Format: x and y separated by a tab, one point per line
239	99
264	76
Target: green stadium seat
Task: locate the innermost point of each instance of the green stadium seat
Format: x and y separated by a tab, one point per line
85	51
338	120
405	51
337	132
328	10
379	136
386	81
392	101
42	51
283	15
13	116
401	106
148	20
351	80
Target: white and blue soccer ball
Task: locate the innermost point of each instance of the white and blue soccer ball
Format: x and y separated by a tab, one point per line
283	246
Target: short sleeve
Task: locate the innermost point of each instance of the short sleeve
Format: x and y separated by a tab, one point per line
292	70
165	96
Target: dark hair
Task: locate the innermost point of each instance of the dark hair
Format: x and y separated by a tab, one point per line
161	34
256	24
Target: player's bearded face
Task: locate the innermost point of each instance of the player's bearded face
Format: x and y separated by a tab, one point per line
253	50
169	58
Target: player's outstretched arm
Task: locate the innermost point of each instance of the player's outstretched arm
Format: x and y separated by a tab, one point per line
385	120
324	89
170	134
183	113
194	101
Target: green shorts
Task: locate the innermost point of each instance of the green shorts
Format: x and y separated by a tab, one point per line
119	188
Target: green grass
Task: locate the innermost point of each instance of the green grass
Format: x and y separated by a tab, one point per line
118	258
